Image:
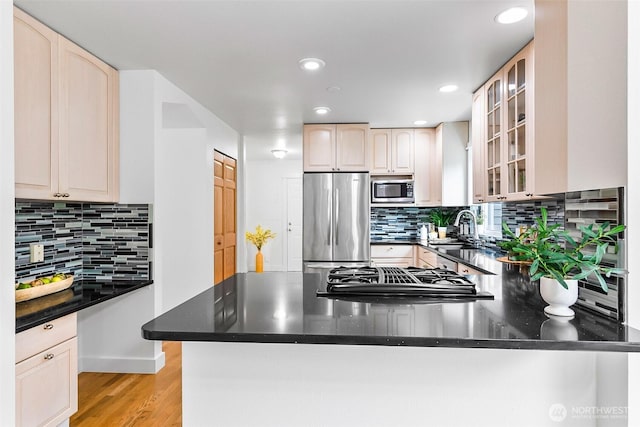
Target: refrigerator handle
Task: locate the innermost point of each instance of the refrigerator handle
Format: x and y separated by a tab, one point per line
337	226
329	216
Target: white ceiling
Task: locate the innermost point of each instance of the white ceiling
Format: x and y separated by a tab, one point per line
240	58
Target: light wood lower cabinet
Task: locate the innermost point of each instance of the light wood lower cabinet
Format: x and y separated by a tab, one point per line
392	255
465	269
425	258
66	118
47	373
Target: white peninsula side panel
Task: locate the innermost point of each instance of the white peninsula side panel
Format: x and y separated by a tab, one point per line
240	384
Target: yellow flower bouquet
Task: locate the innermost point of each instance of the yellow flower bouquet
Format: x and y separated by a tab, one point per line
260	237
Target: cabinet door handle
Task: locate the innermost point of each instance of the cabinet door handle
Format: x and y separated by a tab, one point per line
65	195
57	195
49	356
48	326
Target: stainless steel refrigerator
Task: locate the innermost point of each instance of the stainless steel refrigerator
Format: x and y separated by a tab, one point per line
335	219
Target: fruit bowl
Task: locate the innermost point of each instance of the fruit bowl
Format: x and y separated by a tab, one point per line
43	289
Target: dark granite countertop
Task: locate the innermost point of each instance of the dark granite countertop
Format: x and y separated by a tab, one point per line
480	259
83	294
277	307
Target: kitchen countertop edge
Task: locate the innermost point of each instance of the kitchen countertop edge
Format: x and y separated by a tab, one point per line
64	311
505	344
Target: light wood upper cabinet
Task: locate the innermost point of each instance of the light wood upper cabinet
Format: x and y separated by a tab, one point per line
392	151
352	141
88	125
319	147
428	168
402	151
380	150
66	118
36	107
341	147
477	146
503	132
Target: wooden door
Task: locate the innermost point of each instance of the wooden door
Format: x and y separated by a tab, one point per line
380	151
319	148
352	141
88	125
224	218
36	107
402	151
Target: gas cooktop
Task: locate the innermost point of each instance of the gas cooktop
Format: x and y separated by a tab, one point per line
400	282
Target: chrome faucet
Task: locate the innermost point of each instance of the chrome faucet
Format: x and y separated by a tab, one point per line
476	237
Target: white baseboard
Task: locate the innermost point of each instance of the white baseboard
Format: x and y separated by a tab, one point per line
122	365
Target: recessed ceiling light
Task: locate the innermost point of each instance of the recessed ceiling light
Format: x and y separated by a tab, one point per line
448	88
279	153
322	110
311	64
512	15
420	122
333	89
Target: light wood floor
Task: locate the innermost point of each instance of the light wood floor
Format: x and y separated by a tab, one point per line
132	399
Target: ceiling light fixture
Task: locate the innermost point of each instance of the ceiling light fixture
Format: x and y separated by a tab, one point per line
512	15
333	89
311	64
420	122
322	110
279	153
448	88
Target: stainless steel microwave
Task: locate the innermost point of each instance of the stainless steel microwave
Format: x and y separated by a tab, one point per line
392	191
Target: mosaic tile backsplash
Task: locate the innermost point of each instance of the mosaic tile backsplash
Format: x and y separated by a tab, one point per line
399	222
403	222
98	241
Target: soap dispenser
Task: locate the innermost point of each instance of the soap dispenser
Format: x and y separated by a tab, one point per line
424	232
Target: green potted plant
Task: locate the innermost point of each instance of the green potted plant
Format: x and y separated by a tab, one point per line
441	219
559	261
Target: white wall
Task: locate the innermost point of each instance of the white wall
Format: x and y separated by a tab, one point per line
166	159
7	212
265	199
597	91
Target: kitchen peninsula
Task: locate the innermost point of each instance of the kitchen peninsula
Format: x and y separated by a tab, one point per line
253	339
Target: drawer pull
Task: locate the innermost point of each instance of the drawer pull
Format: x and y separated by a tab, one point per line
49	356
48	327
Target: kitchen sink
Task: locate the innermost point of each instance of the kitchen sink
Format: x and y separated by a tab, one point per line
454	245
448	245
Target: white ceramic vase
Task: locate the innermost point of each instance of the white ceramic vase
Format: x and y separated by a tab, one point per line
558	298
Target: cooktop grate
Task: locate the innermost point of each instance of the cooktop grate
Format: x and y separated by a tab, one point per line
399	282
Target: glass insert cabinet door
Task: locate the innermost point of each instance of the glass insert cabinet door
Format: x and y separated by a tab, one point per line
516	126
509	129
493	148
